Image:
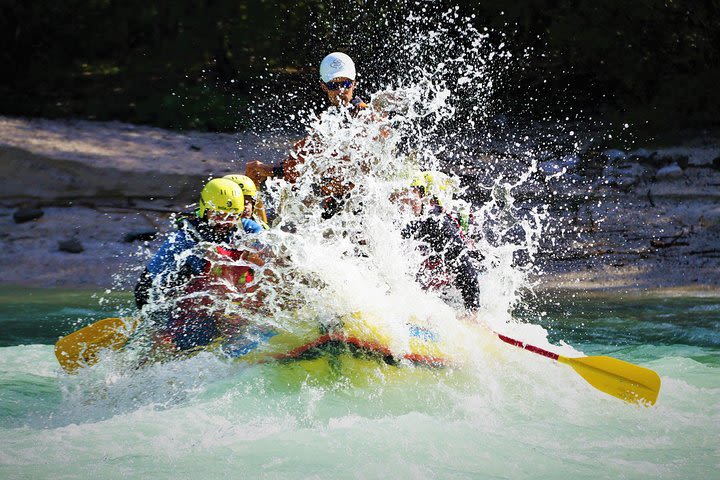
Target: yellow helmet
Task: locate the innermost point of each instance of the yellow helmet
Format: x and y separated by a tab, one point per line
435	183
246	184
419	180
223	195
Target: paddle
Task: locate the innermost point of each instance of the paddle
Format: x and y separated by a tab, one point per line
81	348
615	377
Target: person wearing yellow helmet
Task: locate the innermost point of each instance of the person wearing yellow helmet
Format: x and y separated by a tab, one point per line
219	208
438	186
246	185
190	256
439	189
442	239
253	209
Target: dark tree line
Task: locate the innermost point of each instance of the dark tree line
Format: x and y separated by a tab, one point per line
204	64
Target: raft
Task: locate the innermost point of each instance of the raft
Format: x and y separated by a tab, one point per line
302	340
358	347
357	336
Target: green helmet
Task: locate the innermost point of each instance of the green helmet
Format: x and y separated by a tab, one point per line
222	195
246	184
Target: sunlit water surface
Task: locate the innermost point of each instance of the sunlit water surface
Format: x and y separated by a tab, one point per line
516	415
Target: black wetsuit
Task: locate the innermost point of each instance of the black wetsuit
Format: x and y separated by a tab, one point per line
444	237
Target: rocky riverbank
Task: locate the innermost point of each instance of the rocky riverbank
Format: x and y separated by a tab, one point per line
81	204
649	219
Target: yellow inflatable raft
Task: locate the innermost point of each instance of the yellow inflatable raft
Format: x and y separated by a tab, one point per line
357	335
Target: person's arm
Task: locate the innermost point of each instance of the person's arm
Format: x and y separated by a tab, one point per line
260	212
296	158
287	169
164	262
258	171
158	265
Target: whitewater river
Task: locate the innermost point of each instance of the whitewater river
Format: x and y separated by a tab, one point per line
206	418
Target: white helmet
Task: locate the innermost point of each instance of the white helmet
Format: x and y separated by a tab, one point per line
335	65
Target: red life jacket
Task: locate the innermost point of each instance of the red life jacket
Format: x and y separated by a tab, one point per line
433	274
222	280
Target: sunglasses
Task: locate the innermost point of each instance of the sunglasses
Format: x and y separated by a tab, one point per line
339	85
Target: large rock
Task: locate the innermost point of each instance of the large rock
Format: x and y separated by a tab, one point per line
56	179
75	160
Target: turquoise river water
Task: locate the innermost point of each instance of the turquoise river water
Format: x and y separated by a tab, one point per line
206	418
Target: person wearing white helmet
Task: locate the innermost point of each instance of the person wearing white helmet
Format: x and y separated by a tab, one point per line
338	81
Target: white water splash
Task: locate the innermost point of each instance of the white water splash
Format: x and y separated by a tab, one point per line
428	116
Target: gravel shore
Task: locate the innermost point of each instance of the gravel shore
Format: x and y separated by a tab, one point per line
104	188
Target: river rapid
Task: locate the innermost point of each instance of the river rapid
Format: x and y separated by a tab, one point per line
519	416
499	412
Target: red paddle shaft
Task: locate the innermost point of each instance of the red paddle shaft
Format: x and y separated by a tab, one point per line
526	346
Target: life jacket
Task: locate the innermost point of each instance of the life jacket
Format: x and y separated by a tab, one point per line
463	220
433	273
192	321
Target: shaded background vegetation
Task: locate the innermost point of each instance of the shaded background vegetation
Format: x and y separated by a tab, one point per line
207	64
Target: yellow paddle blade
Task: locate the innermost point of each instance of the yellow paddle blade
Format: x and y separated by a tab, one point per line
620	379
81	348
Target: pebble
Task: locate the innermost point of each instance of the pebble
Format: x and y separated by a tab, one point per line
550	168
23	215
71	245
140	235
639	154
614	155
625	176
